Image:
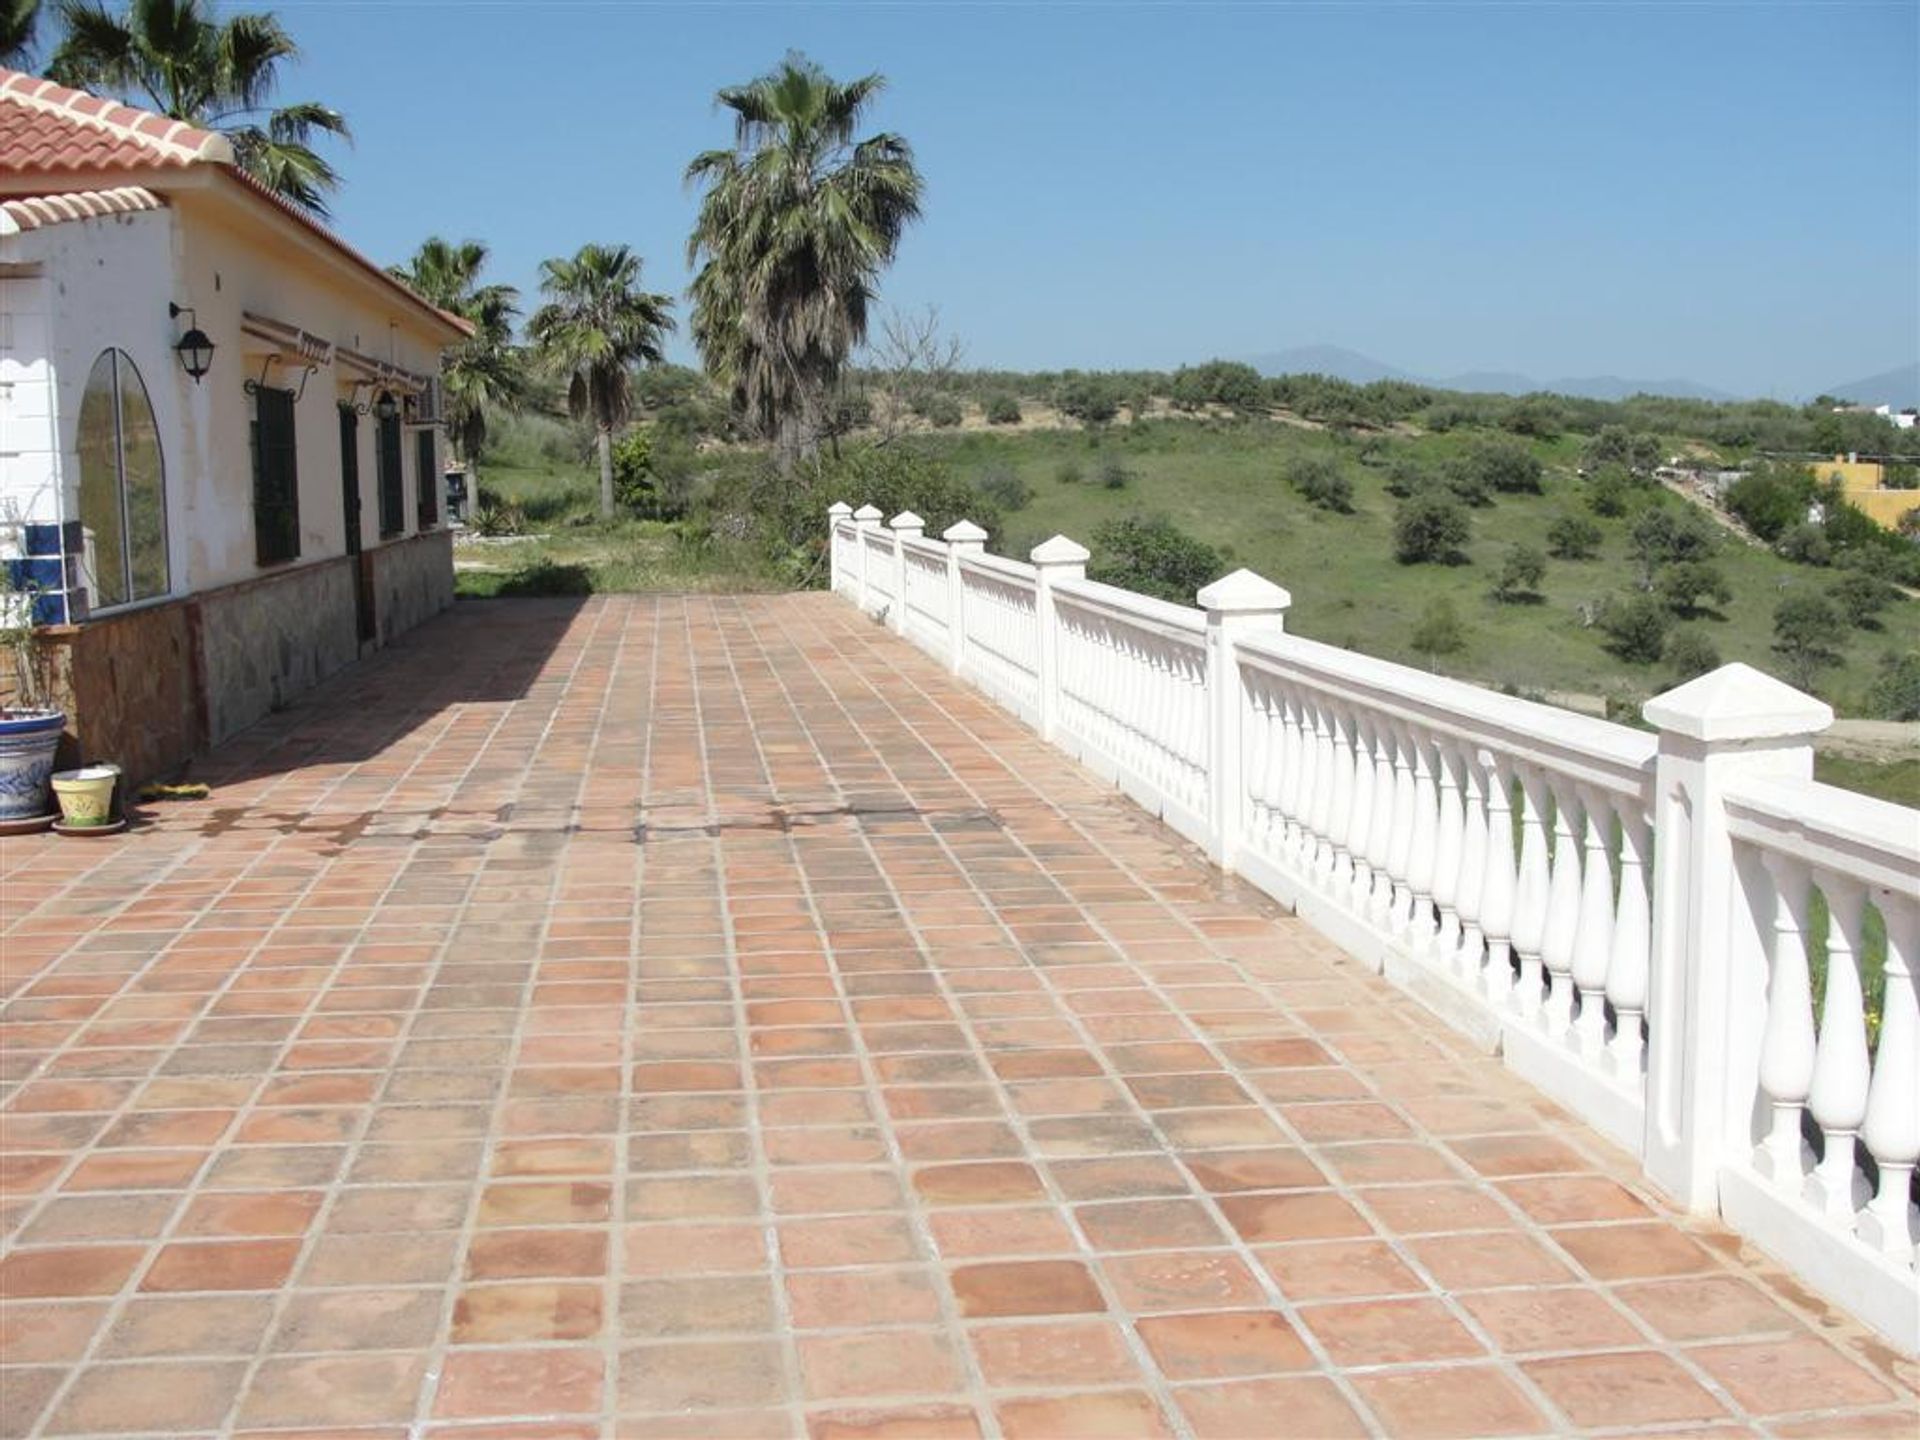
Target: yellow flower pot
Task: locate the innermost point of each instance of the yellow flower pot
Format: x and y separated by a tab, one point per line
86	795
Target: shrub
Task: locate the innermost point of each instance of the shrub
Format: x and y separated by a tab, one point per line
940	410
1809	635
1770	499
1003	410
1616	445
1805	543
1430	529
1407	476
1439	631
1154	556
1003	487
1573	537
1508	466
633	469
1669	534
1611	490
1091	399
1636	628
1895	694
1689	654
1069	472
1861	597
1322	481
1521	572
1690	586
1114	474
494	514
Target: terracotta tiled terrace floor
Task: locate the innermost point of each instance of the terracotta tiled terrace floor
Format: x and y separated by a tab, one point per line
705	1018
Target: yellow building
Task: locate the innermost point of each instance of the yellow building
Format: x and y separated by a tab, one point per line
1864	484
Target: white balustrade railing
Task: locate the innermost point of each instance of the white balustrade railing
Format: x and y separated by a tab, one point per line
1635	920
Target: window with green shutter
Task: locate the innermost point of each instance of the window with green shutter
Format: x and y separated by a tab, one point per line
393	503
276	478
427	480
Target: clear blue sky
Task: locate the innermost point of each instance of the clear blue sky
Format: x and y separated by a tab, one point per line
1726	192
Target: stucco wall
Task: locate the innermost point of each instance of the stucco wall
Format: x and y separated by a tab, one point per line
264	643
412	581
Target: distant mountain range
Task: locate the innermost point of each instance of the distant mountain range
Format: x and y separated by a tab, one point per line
1897	387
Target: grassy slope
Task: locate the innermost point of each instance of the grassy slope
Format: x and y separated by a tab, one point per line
1224	484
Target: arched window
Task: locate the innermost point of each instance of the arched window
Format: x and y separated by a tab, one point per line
123	487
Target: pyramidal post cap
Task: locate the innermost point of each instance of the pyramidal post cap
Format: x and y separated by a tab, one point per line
867	512
1245	593
839	508
1060	551
907	520
1737	702
964	532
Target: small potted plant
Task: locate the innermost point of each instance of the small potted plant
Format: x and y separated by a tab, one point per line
86	799
30	723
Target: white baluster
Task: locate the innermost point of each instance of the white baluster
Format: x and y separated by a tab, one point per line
1892	1129
1632	942
1286	779
1838	1095
1530	890
1473	864
1321	815
1786	1044
1422	863
1359	824
1450	835
1400	836
1497	883
1593	927
1379	900
1563	914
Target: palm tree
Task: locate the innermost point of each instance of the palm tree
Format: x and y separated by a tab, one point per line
798	220
18	21
483	375
179	58
596	325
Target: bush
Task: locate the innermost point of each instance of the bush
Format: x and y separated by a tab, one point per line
1406	476
1090	399
1520	575
1152	555
1322	481
1895	694
1611	491
1114	474
1861	597
1669	534
1616	445
1636	628
1003	410
1770	499
494	514
1439	631
1508	466
1689	654
1573	537
940	410
1691	586
1806	544
1003	487
1430	529
1069	472
1809	635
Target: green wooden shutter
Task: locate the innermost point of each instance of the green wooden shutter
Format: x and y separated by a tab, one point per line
276	478
393	504
427	480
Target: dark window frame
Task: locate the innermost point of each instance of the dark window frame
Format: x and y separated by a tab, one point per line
276	476
426	494
390	466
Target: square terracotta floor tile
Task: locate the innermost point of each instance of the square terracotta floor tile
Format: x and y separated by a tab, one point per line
692	1249
1148	1225
1098	1415
1488	1259
1535	1319
1181	1280
483	1383
1389	1332
832	1299
692	1305
1632	1388
1269	1409
327	1390
702	1375
1223	1343
222	1265
892	1422
1303	1215
1457	1403
882	1362
1029	1287
1634	1252
970	1234
1338	1270
358	1320
148	1398
1050	1354
983	1183
1775	1377
529	1311
1707	1307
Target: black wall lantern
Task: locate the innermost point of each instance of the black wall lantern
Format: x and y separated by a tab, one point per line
195	348
385	407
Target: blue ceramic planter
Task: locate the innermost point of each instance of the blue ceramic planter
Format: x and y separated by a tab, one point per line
27	743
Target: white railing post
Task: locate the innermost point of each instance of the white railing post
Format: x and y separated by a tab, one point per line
1053	560
1709	970
963	537
866	518
1235	604
836	512
905	525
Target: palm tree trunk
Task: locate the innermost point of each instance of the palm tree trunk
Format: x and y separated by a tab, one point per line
603	442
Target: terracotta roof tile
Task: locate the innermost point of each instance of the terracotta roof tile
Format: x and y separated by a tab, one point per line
36	212
48	129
